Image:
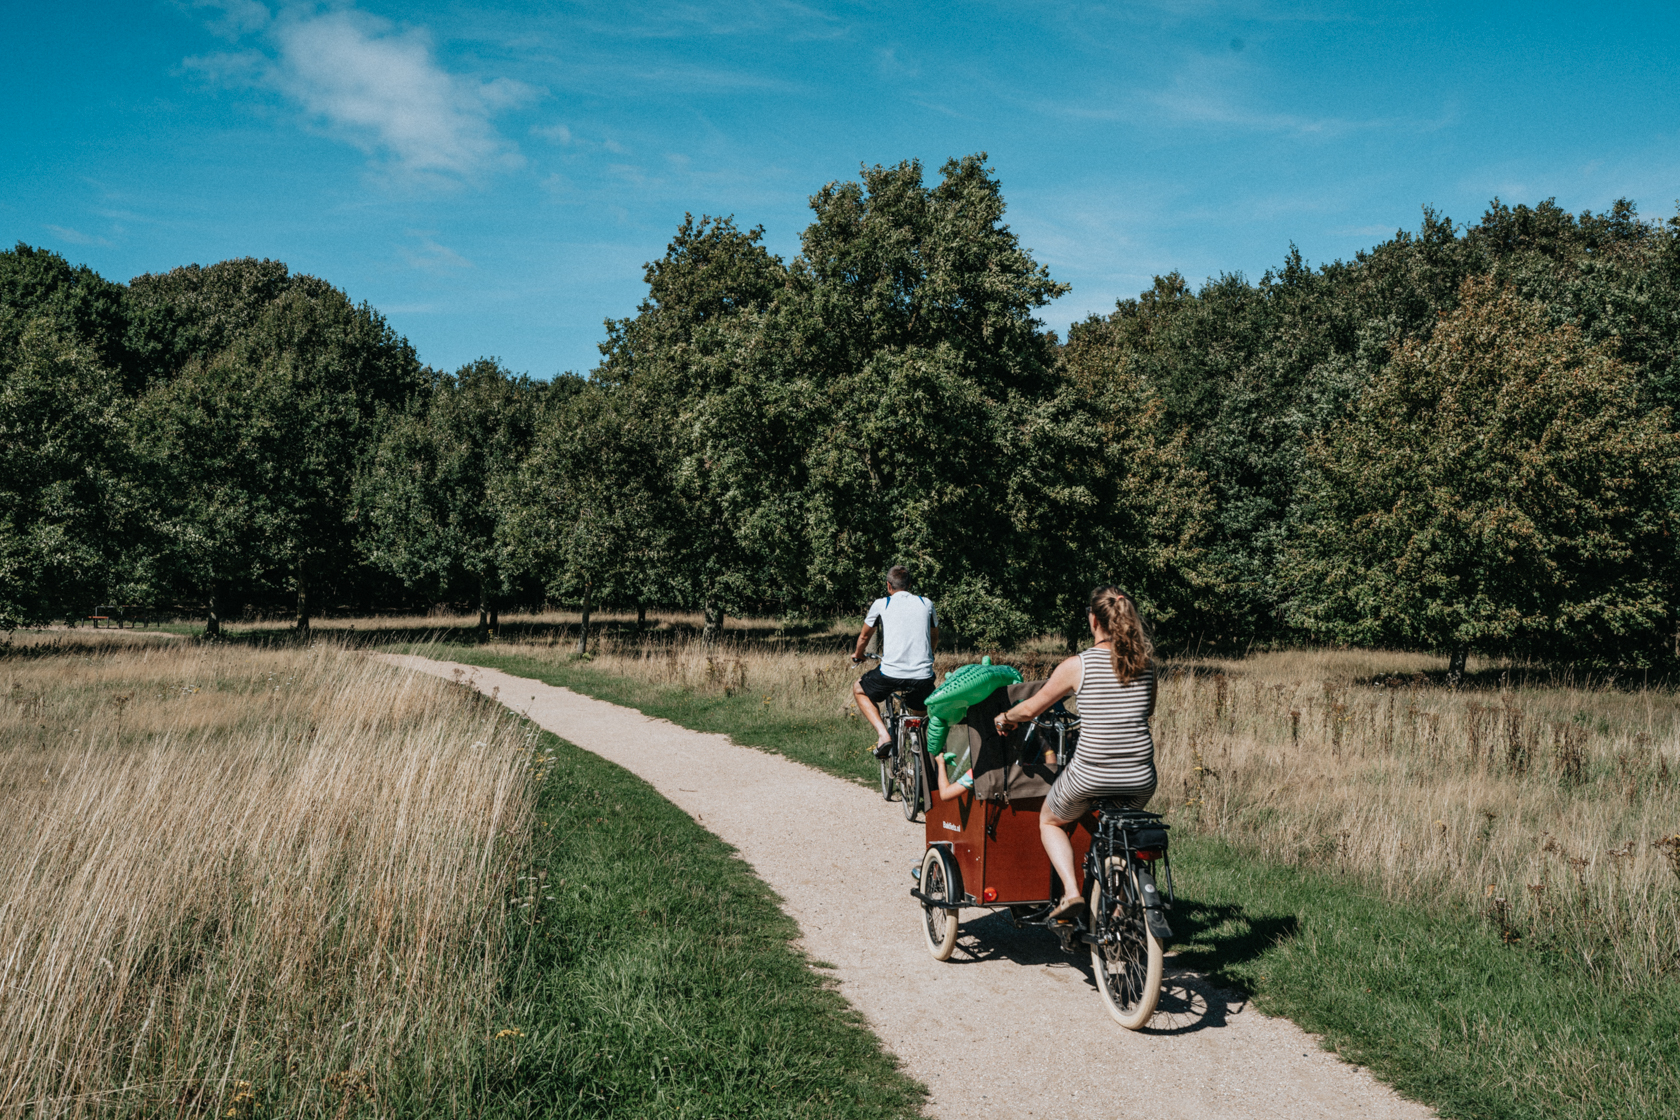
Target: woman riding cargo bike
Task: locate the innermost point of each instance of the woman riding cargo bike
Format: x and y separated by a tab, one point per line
1051	793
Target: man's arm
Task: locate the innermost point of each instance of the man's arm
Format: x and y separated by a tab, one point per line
862	643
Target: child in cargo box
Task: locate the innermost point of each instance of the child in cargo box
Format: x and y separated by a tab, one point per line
1115	683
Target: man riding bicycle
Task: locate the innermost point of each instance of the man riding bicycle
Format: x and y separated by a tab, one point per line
909	634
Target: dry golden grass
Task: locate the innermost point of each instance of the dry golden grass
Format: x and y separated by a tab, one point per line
248	882
1544	806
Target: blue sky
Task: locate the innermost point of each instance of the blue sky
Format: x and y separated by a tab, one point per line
492	176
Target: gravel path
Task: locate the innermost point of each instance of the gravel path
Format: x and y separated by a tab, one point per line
1010	1022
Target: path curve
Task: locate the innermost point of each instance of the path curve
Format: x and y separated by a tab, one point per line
1010	1023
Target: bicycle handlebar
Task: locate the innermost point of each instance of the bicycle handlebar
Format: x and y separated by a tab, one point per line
1070	722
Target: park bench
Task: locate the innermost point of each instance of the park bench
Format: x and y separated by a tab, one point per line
106	614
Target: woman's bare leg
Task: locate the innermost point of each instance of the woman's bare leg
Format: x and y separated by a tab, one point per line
1058	844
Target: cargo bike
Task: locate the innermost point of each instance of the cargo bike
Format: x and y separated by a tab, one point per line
984	851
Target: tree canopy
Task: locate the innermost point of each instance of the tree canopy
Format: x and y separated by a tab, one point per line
1463	437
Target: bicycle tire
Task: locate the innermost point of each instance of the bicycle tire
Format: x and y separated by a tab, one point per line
1126	959
939	925
911	782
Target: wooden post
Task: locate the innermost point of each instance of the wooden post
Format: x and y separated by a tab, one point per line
302	597
583	630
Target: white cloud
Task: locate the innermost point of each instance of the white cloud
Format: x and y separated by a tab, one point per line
76	236
237	18
427	255
382	89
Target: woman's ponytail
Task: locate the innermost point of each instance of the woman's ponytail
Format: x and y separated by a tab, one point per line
1118	616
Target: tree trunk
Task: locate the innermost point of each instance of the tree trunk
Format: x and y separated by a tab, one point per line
714	624
495	620
1074	630
1455	664
483	607
641	618
583	630
302	599
213	624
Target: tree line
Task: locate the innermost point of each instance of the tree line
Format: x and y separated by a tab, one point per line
1460	439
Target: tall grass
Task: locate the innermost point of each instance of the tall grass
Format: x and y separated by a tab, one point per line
1548	807
249	882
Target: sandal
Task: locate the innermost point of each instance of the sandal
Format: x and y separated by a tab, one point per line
1066	909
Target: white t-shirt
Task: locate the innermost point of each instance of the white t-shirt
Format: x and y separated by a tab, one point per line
907	622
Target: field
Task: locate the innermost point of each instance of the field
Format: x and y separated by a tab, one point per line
272	879
284	880
1550	806
1472	891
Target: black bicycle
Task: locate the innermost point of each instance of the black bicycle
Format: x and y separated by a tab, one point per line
903	768
1125	923
1124	926
905	761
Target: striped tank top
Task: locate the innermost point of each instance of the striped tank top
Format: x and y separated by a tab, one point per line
1116	752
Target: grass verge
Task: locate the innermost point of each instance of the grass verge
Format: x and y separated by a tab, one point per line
836	745
1432	999
1435	1004
656	978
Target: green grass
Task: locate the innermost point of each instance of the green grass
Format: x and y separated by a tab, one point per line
837	746
659	980
1435	1004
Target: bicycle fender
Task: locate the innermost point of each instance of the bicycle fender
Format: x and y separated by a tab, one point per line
1152	915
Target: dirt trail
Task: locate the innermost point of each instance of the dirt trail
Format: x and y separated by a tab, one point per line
1010	1022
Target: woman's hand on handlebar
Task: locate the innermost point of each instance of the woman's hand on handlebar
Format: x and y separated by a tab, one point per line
1063	682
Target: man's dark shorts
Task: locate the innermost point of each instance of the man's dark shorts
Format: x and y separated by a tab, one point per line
878	687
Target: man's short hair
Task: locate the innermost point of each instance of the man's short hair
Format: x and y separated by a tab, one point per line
898	577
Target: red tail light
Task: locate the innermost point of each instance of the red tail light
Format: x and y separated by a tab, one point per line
1150	856
989	895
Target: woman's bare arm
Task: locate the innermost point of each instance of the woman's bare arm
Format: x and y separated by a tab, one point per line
1062	683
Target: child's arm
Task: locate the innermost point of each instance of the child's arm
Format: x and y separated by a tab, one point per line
949	790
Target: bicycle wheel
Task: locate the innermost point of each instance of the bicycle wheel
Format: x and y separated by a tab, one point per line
1126	957
939	925
889	765
915	749
911	782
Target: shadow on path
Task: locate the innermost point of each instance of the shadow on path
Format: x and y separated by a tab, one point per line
1211	938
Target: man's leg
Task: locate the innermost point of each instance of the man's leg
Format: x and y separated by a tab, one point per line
872	714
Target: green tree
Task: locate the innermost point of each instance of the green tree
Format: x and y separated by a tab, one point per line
591	510
1499	487
429	499
70	495
915	328
686	377
72	534
260	433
